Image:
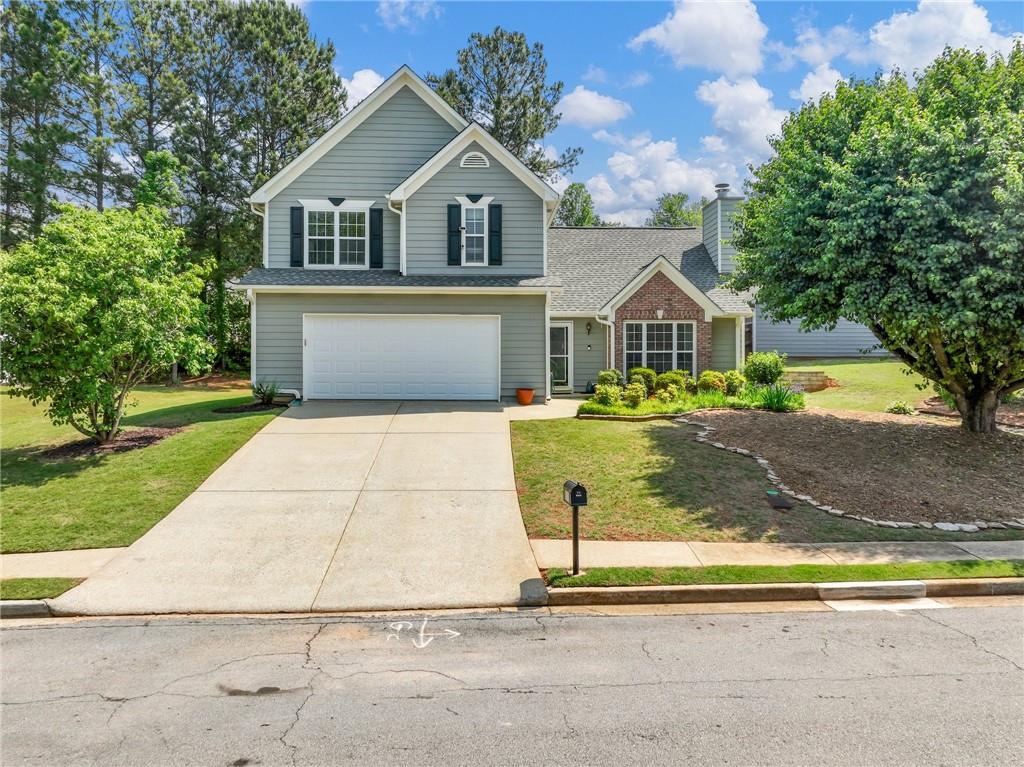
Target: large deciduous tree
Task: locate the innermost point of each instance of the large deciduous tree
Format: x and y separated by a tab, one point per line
94	306
675	209
500	81
576	207
899	204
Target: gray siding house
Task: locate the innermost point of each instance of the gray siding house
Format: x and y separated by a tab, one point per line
408	255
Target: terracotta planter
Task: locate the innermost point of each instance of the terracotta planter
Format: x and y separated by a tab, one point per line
524	396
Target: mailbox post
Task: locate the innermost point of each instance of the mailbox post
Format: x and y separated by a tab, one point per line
575	495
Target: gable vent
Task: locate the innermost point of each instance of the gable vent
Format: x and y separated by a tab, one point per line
474	160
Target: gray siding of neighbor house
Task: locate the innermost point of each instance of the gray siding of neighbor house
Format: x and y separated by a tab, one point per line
372	160
847	340
723	343
587	363
426	225
277	330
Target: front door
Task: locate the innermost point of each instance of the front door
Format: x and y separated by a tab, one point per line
561	356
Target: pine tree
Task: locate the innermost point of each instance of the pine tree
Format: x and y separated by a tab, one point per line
501	83
35	65
95	178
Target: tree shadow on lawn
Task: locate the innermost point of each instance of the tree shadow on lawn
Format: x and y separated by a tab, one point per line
29	466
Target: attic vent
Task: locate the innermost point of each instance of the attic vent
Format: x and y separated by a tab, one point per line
474	160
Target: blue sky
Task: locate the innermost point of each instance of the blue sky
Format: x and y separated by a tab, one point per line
667	97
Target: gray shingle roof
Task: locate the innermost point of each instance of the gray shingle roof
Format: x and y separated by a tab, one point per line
595	263
377	278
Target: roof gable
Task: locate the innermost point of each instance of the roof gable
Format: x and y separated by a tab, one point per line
474	132
404	77
661	265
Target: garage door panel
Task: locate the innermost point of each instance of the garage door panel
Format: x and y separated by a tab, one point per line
401	357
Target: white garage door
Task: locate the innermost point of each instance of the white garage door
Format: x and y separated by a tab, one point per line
400	356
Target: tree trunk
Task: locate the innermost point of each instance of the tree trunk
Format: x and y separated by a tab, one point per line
978	413
173	378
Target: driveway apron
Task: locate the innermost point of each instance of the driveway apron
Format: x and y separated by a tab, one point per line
348	505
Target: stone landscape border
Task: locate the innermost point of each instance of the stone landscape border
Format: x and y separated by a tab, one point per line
961	527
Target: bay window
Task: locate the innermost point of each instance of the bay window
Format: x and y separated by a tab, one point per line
660	345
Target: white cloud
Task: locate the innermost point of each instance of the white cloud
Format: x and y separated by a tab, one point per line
637	79
821	79
912	39
815	47
642	168
407	14
723	36
744	116
595	75
589	109
361	85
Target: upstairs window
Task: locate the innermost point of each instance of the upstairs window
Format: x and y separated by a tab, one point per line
336	235
474	229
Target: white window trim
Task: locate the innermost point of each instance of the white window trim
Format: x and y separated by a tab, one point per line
675	342
348	206
466	204
568	324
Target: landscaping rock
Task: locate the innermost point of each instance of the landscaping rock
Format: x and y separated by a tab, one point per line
949	527
906	525
968	528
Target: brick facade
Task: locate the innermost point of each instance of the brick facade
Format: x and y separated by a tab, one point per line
659	292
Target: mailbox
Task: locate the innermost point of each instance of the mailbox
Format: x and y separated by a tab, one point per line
574	493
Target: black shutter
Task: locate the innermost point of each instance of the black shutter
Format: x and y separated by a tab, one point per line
298	257
376	238
454	235
494	235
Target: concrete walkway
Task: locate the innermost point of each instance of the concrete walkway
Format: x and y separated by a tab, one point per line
551	553
77	563
339	506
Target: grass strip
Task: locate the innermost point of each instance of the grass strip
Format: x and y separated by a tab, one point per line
726	574
35	588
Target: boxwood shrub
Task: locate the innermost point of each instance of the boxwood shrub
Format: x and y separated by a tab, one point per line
648	376
711	380
765	368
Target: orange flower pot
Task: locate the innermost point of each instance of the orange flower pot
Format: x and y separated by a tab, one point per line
524	396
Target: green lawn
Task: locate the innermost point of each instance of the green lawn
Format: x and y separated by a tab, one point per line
111	500
864	384
690	576
35	588
651	481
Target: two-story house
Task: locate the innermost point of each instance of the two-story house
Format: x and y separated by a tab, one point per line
408	255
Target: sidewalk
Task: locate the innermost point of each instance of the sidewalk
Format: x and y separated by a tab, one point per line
77	563
551	553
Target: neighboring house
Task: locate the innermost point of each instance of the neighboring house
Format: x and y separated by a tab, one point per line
408	255
848	339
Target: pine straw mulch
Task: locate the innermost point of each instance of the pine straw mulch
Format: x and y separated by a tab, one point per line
129	439
884	466
252	407
1009	413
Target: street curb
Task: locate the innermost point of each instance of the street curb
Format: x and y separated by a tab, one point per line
24	608
775	592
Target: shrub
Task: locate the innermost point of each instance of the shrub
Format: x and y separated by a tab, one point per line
734	381
668	394
669	378
900	407
779	398
765	368
634	394
646	375
610	378
607	394
711	380
264	392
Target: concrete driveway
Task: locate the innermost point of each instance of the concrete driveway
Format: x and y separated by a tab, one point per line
338	506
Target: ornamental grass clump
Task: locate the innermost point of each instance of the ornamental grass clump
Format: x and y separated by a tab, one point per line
778	398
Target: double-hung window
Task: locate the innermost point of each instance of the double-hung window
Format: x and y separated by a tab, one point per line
661	346
474	230
337	236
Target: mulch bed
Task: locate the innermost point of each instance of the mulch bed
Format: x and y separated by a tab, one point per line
1008	414
252	407
885	466
129	439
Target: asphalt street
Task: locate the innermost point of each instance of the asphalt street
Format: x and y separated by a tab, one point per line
928	687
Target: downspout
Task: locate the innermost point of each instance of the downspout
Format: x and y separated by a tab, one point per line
610	324
400	212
